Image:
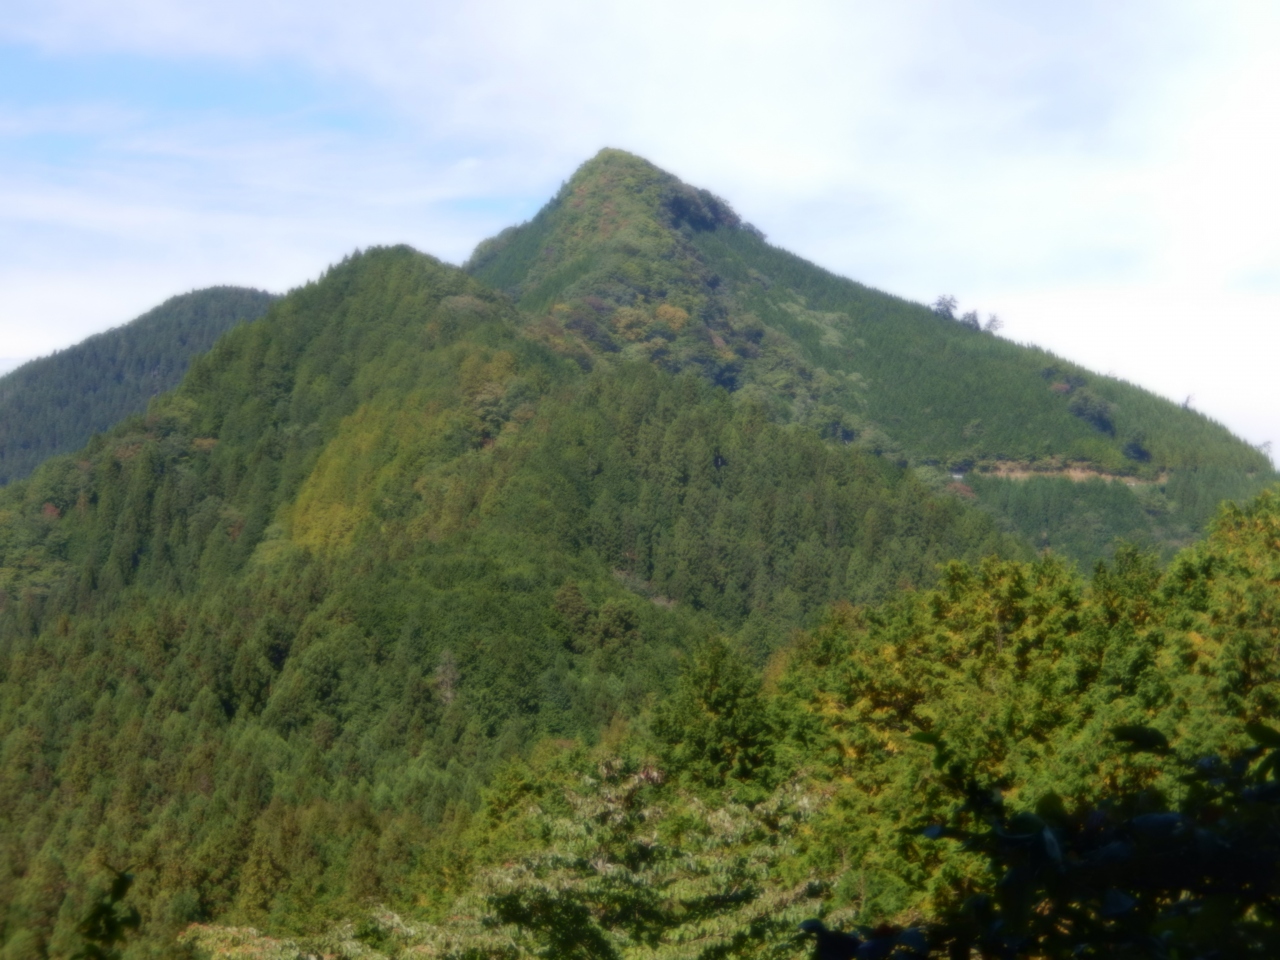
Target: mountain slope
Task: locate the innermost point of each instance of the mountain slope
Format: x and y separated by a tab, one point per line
1050	766
628	261
270	641
265	638
54	404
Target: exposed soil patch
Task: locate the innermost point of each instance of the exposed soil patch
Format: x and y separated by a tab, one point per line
1078	474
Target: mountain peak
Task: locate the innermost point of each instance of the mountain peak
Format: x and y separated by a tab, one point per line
627	260
601	234
611	265
621	180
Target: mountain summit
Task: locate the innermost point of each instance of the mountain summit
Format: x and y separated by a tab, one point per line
611	263
627	261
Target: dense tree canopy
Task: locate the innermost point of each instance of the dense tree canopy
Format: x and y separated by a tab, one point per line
1020	761
55	404
262	641
628	261
625	611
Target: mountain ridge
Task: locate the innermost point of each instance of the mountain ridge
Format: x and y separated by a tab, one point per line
623	242
53	404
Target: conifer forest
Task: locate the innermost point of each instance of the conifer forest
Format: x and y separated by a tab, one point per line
635	590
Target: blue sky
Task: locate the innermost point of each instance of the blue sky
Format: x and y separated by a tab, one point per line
1101	175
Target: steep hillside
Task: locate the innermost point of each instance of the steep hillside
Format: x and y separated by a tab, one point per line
54	404
1111	739
263	640
627	261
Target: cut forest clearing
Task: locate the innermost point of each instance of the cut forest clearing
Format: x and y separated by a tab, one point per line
1078	474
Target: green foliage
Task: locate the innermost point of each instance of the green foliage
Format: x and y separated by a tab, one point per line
379	607
628	261
266	640
54	404
617	863
1130	877
1082	520
1014	761
638	871
716	726
1019	673
108	923
1085	518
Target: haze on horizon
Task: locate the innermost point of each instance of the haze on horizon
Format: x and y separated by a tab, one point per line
1102	177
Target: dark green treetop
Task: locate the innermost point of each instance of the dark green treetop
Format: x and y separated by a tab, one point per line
55	404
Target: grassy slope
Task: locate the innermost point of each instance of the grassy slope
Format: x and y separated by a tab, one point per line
623	240
54	404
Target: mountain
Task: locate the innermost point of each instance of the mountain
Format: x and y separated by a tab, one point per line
626	261
375	543
55	404
287	643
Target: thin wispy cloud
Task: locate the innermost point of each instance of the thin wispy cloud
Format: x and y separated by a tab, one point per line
1100	175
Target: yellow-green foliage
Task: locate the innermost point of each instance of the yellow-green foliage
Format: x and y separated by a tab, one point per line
463	408
1022	670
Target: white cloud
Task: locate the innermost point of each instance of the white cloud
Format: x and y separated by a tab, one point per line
1100	174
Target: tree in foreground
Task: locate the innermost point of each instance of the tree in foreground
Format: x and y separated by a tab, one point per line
625	866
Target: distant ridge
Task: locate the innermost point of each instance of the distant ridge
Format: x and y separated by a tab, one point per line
54	404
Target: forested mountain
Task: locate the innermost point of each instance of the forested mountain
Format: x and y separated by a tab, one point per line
448	590
628	261
55	404
375	543
1115	718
